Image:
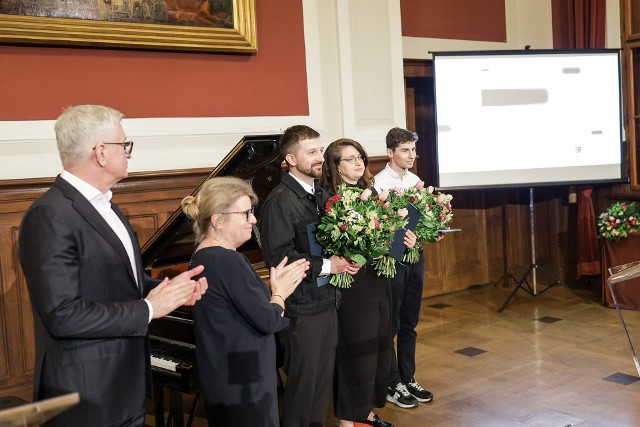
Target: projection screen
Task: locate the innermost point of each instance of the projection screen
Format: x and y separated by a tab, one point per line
527	118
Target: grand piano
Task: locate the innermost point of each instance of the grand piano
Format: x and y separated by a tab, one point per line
167	252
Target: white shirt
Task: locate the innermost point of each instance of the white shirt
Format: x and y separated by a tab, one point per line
388	178
102	203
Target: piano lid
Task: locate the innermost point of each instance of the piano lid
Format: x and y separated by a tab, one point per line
255	158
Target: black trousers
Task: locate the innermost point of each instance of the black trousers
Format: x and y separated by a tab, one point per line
364	346
406	301
309	357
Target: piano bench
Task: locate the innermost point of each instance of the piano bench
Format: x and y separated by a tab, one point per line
175	417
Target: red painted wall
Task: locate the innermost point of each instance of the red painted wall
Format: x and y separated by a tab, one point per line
480	20
36	83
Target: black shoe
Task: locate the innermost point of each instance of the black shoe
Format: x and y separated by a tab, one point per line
401	396
418	392
377	422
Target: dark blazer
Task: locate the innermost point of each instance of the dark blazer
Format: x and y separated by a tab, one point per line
90	321
285	215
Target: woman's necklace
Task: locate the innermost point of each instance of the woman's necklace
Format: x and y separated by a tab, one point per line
211	241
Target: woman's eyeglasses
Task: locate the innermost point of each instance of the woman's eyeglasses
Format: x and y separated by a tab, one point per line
352	160
247	214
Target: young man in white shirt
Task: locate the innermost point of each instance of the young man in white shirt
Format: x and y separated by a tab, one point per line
407	285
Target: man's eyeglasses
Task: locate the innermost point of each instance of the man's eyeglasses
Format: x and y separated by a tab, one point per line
127	145
352	160
247	214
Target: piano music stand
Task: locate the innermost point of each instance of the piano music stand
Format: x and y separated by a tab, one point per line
37	413
619	274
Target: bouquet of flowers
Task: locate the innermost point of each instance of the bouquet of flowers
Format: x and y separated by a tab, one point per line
620	220
357	226
436	212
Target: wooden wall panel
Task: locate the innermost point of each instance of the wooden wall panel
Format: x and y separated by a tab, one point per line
494	225
147	199
465	253
15	311
434	270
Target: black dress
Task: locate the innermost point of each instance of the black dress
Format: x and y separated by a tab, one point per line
363	358
235	344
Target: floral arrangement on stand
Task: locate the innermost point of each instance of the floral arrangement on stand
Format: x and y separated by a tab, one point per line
357	226
620	220
436	214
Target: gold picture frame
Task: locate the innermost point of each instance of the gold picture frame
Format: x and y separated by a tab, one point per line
46	31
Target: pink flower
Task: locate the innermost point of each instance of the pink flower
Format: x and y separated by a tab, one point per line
383	196
420	185
365	194
441	197
343	228
430	189
402	213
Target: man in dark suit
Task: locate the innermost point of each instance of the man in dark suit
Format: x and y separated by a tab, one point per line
92	301
285	220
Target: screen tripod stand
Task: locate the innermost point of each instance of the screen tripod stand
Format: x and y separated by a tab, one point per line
523	283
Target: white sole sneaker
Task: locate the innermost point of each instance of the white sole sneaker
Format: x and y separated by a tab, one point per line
392	399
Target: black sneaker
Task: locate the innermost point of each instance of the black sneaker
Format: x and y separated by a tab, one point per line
401	396
419	393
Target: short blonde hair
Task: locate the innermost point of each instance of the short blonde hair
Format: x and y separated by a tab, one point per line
215	196
78	126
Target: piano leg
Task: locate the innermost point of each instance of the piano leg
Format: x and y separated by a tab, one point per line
194	407
176	413
158	404
175	417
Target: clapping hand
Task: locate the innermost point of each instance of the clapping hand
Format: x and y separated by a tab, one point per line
201	284
181	290
285	278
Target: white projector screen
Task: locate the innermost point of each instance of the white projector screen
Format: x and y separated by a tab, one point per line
527	118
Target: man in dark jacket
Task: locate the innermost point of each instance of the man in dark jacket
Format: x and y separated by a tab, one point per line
92	301
287	220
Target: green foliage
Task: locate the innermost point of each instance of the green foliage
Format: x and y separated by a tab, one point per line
620	220
358	227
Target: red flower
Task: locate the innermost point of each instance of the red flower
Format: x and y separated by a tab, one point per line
343	228
335	198
327	207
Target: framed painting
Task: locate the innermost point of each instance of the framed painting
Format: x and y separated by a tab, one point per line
187	25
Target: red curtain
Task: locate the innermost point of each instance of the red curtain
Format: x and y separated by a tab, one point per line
588	249
580	24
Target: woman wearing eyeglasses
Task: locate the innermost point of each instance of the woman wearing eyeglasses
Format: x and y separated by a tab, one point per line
237	317
363	356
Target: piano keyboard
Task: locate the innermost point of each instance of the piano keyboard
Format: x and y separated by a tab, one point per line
170	354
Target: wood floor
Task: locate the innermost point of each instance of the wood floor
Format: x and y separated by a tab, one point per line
550	360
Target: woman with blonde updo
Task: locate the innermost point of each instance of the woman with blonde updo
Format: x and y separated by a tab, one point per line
237	317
